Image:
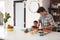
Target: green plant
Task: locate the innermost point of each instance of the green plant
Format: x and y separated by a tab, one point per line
7	16
1	14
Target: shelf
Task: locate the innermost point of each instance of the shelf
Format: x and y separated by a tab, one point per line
54	8
55	12
56	15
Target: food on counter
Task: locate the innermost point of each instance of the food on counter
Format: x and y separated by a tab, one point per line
10	28
46	31
35	31
26	31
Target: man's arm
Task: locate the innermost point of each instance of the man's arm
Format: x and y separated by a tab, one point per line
39	22
52	23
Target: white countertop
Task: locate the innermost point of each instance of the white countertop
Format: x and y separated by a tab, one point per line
18	35
2	32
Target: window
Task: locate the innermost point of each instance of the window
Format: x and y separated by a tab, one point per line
2	6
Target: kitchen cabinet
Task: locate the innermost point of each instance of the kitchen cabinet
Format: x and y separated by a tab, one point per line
19	14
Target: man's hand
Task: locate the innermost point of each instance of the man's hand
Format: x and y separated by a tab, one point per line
51	26
48	27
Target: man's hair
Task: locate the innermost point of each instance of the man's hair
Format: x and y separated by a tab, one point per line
41	9
36	21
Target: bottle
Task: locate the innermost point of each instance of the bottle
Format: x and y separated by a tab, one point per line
40	26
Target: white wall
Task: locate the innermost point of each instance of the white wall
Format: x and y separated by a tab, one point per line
2	0
2	6
46	4
9	9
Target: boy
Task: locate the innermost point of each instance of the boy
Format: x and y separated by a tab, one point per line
35	26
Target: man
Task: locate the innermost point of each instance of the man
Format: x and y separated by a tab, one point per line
46	19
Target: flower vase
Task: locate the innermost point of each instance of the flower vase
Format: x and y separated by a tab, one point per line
4	25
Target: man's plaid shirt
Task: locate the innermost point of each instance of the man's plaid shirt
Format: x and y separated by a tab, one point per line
47	20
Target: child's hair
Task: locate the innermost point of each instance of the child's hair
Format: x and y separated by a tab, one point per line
36	21
41	9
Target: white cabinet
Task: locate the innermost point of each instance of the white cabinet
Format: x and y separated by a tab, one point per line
19	15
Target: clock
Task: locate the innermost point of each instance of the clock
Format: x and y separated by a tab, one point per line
33	6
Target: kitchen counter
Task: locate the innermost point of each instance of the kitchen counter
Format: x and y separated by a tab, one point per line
2	32
19	35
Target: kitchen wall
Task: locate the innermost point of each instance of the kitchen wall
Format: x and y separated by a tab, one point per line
9	9
46	4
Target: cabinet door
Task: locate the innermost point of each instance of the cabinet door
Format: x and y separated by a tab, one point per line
19	11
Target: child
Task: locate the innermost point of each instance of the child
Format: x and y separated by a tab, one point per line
34	29
35	26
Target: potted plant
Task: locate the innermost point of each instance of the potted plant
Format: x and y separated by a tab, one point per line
7	16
